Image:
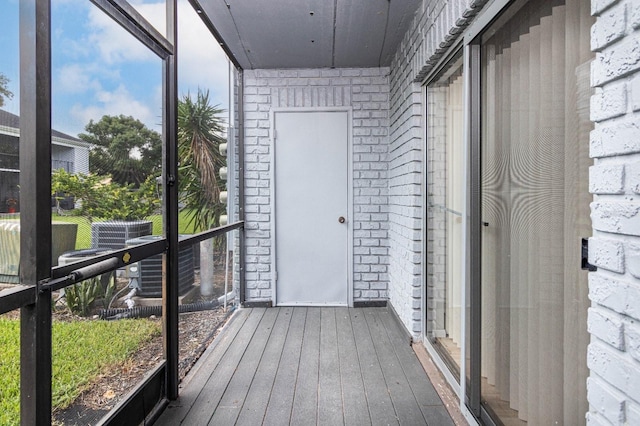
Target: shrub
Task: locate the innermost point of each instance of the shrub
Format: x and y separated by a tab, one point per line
103	199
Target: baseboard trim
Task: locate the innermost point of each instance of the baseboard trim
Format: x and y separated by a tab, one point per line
258	304
370	304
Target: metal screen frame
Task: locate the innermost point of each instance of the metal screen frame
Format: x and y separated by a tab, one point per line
37	276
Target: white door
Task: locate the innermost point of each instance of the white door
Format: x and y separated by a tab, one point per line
311	198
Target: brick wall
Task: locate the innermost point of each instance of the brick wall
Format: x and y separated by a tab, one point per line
614	318
366	91
436	26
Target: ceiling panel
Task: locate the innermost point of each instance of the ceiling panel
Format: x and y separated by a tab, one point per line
285	33
360	32
218	15
310	33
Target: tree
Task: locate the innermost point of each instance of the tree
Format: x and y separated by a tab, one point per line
199	137
123	148
4	91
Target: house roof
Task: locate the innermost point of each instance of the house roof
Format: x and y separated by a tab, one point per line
309	33
12	121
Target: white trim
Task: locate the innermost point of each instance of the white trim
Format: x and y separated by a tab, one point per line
272	188
70	143
55	140
9	131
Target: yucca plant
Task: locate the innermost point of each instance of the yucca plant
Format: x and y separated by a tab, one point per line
200	133
81	297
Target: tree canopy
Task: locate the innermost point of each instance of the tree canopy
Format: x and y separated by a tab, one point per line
123	148
5	93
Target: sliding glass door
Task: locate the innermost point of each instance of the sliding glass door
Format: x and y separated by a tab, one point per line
506	209
535	125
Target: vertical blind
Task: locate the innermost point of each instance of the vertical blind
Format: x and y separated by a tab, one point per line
535	205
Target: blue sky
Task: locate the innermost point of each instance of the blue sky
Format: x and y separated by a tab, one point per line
99	69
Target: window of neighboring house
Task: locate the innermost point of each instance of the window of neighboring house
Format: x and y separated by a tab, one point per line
9	158
445	207
535	125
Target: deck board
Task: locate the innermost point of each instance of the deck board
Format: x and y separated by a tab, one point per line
354	396
429	402
305	400
280	401
197	378
402	397
255	404
381	408
330	410
207	401
308	366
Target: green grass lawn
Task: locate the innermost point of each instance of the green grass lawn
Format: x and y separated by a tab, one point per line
83	239
81	351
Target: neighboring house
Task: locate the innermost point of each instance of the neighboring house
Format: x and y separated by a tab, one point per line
446	158
67	152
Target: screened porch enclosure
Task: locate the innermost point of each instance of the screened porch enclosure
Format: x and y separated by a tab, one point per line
461	201
137	251
363	358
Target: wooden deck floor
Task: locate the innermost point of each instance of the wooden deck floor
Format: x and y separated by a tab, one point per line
305	366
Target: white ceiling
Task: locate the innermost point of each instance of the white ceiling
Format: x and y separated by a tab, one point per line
310	33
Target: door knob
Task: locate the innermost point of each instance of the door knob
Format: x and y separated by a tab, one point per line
341	219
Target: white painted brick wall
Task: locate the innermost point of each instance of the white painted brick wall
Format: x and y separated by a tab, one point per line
366	91
615	137
607	254
614	290
607	179
606	326
607	401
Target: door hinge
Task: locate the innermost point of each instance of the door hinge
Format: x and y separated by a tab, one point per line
585	257
275	276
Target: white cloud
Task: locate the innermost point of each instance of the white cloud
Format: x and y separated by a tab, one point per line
113	42
201	61
116	102
76	78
